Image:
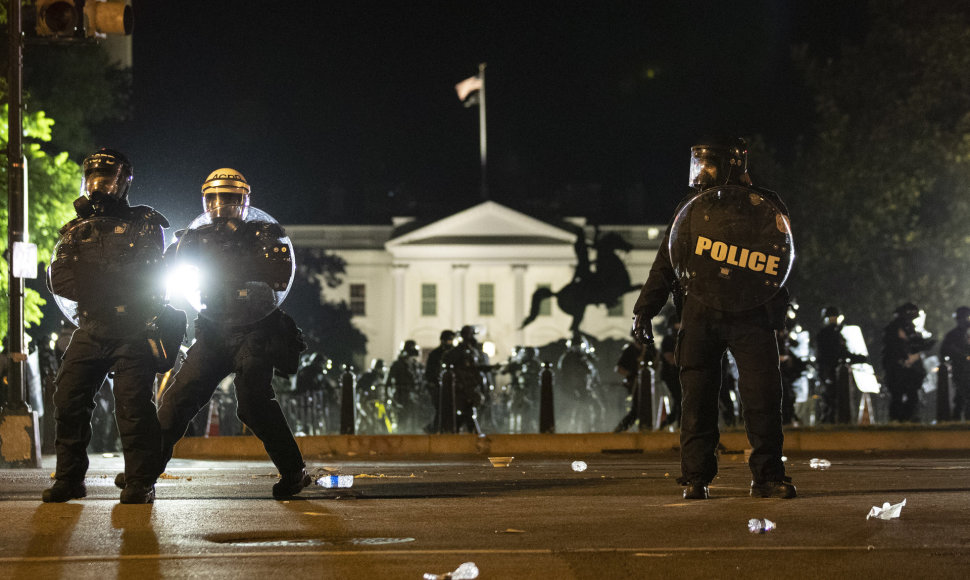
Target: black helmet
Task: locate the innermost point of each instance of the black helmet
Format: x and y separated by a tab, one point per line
410	348
107	173
832	312
908	311
962	315
717	161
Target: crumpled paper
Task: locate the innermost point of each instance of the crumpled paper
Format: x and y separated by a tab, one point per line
887	511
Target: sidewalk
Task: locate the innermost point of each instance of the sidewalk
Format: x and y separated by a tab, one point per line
860	439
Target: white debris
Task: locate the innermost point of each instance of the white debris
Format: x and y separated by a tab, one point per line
887	511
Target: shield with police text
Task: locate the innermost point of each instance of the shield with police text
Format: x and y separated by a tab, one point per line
731	247
233	271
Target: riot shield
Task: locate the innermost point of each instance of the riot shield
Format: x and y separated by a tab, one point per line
101	269
233	271
731	248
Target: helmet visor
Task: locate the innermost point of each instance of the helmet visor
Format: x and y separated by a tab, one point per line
105	175
227	205
704	170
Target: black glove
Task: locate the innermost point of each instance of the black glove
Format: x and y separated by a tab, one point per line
642	330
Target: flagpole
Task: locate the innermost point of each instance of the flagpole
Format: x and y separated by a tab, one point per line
483	142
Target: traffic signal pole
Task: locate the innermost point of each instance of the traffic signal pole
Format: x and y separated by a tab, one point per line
19	427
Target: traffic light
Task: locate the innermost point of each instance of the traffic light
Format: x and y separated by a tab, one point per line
78	18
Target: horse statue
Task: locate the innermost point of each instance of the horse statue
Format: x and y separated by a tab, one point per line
604	285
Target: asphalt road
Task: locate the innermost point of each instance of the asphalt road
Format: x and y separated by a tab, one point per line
620	518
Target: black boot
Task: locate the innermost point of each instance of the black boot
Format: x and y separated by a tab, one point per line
291	484
138	492
696	490
63	491
783	489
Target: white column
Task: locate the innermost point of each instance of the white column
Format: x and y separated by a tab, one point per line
458	273
518	304
400	305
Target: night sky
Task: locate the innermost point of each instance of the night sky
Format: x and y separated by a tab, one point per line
346	112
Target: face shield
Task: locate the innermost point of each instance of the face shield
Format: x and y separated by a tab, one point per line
106	176
226	205
705	170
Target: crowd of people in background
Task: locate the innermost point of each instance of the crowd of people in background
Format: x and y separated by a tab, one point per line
593	395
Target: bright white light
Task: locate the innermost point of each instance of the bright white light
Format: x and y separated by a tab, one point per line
183	282
489	348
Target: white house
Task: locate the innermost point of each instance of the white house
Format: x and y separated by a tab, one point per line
479	266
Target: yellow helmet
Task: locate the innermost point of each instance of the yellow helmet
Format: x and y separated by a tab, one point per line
225	193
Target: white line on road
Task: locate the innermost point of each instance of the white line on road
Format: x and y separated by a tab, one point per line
508	552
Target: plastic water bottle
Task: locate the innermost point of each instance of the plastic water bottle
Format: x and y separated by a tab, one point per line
816	463
760	525
331	481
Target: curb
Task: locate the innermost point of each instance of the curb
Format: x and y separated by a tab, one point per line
796	440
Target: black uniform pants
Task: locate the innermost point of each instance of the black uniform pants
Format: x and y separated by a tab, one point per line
904	392
215	355
700	347
83	369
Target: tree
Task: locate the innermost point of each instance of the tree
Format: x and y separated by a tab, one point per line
52	182
327	326
880	198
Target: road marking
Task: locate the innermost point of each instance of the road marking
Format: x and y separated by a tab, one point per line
510	552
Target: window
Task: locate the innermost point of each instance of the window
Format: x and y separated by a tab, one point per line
358	300
486	299
617	309
429	300
545	307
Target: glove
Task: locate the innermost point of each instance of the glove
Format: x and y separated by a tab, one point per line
642	330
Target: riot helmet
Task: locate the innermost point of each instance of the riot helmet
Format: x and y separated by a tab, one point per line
225	193
832	315
908	311
962	316
410	348
469	334
447	337
718	161
106	175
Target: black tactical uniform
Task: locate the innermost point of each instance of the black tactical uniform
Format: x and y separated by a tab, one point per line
715	319
403	377
525	369
432	377
832	351
577	399
902	362
240	328
470	366
633	359
670	372
956	348
108	265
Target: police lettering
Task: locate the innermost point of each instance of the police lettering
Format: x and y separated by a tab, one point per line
737	256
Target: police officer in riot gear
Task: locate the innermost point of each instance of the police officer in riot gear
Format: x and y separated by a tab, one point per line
956	348
106	275
404	376
902	361
471	366
247	260
831	351
432	377
725	257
